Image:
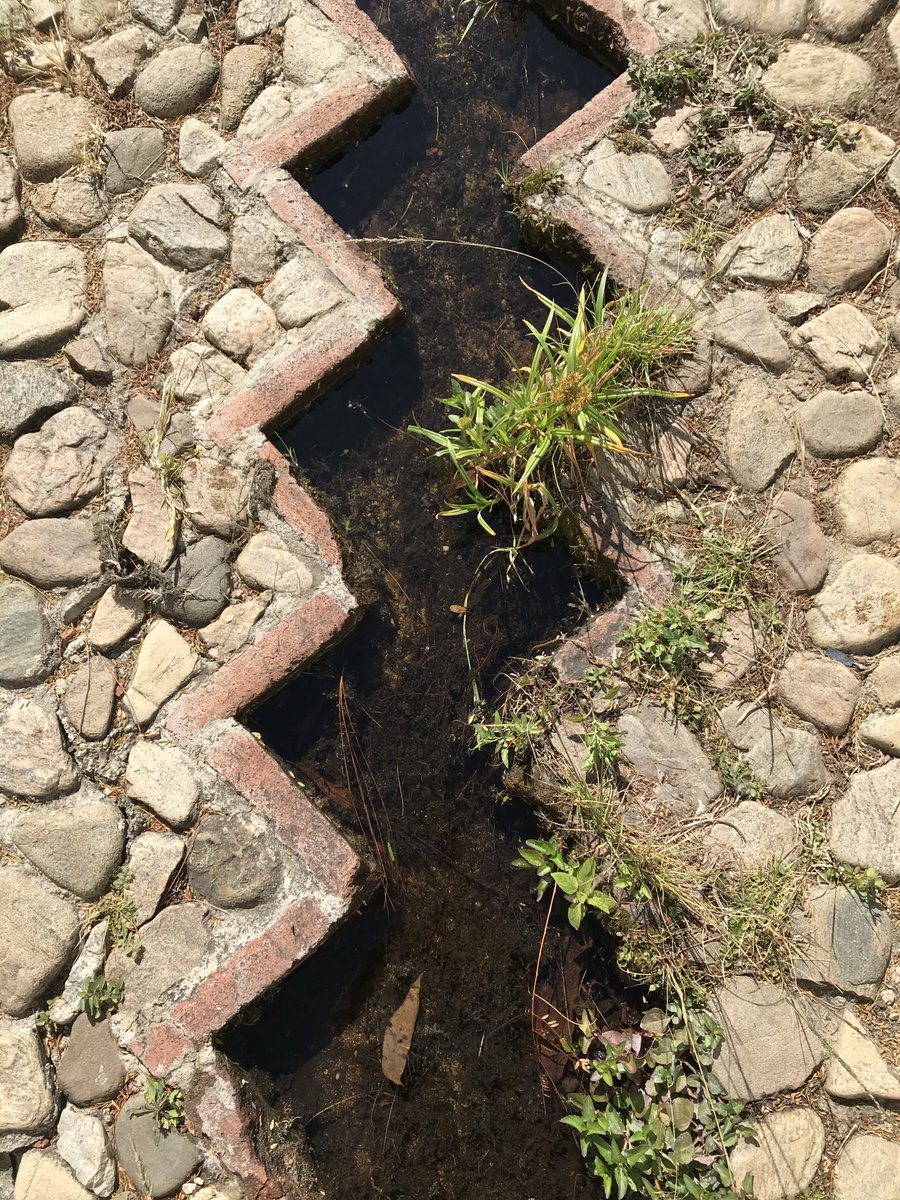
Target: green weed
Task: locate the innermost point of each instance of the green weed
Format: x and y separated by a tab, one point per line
118	909
165	1103
99	996
525	449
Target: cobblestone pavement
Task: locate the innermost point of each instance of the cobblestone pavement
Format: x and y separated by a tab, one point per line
794	283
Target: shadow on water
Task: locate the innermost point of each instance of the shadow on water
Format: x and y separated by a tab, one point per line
470	1120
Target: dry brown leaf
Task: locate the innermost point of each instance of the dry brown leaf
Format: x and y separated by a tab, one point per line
399	1034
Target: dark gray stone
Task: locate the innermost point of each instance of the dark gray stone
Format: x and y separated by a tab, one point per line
157	1164
197	583
843	942
38	938
91	1069
29	392
135	155
176	81
657	746
231	864
26	643
77	842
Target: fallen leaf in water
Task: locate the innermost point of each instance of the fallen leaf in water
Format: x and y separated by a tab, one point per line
460	609
398	1035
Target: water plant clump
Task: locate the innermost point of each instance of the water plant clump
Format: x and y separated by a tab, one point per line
526	449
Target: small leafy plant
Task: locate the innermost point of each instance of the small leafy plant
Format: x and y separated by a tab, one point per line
118	908
576	881
165	1103
99	996
508	736
653	1121
525	449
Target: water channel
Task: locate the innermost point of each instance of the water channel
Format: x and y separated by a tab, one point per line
392	700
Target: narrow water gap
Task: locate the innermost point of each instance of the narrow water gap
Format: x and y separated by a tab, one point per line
471	1119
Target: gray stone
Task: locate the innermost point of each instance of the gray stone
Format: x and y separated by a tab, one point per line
203	374
660	749
47	129
751	835
800	551
864	830
176	81
256	17
116	60
165	663
51	552
868	1166
254	248
62	465
768	183
153	860
146	415
196	586
133	157
152	529
136	305
858	610
26	644
91	1069
819	690
42	1174
199	148
27	1102
38	936
847	20
795	307
28	393
215	496
231	631
767	252
742	323
810	76
34	762
161	778
71	204
788	760
170	223
885	681
865	501
302	289
87	357
315	48
244	71
192	27
841	424
241	325
267	564
857	1070
76	842
758	442
640	182
783	1156
174	944
674	24
88	965
83	1144
86	18
119	613
842	343
766	1045
42	296
842	942
732	652
43	13
847	251
834	174
160	15
157	1164
769	18
10	200
231	863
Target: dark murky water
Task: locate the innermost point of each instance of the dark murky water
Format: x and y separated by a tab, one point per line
470	1120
